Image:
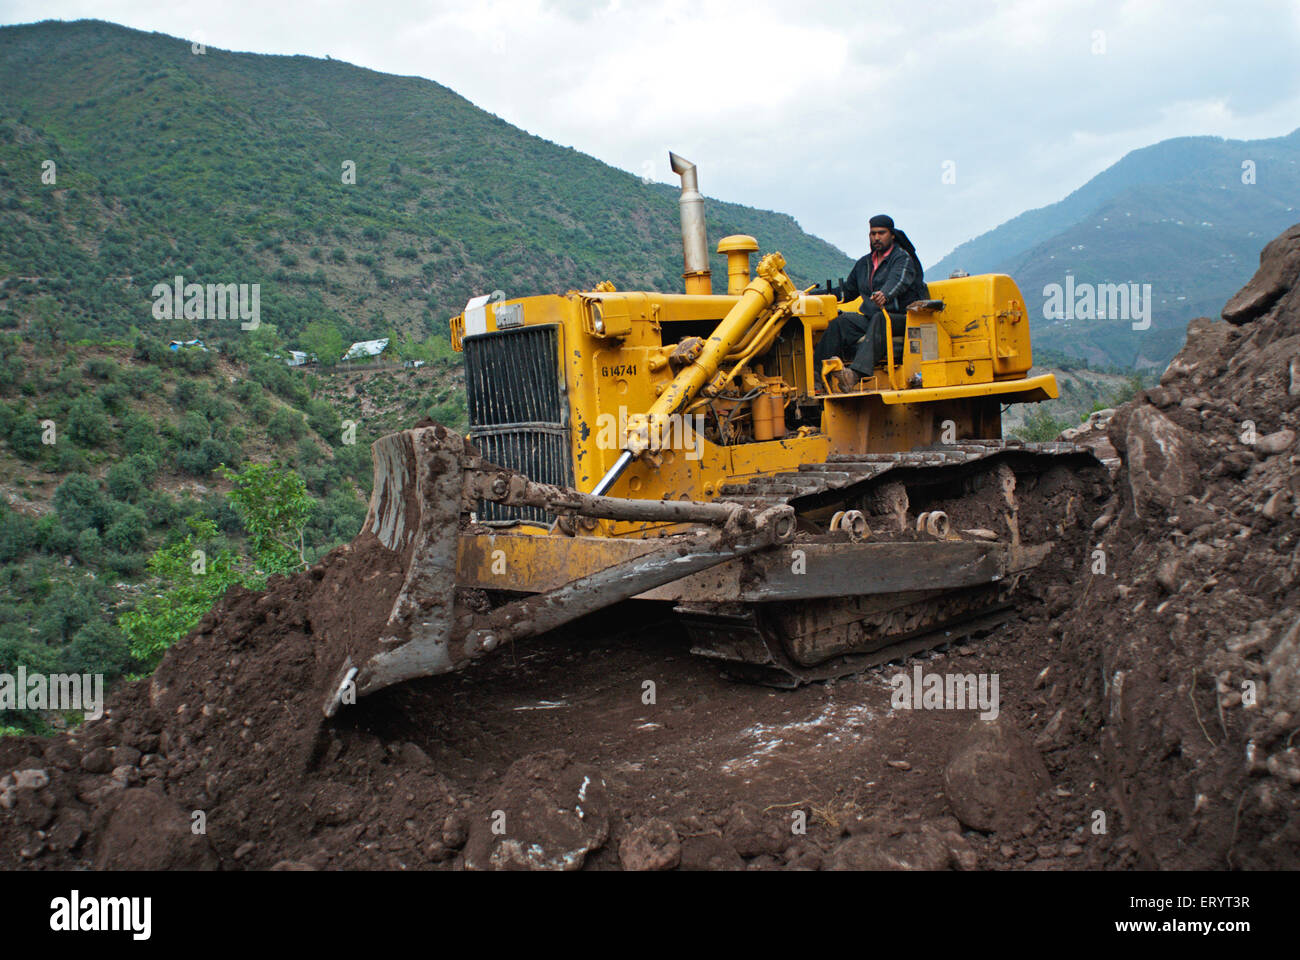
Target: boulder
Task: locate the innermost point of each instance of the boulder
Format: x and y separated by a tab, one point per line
651	846
751	834
1279	266
1277	442
994	776
1162	461
710	852
147	831
1283	666
548	814
931	847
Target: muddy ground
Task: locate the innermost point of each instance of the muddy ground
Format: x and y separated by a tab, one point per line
731	768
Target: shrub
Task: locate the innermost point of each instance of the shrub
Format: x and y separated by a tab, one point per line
203	459
140	437
89	546
194	360
25	438
144	382
124	481
101	368
88	424
285	425
97	647
54	537
18	534
80	503
128	530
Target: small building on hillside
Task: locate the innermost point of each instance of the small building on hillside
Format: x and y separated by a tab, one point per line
178	344
365	349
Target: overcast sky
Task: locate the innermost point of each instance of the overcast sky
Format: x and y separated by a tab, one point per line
828	110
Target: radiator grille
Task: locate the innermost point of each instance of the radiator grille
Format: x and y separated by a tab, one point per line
518	415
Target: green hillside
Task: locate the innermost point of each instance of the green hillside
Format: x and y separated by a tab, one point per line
127	160
1176	215
229	168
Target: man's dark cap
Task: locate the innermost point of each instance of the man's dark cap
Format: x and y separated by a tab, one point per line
880	220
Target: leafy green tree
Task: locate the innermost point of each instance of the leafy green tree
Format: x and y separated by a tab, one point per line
192	578
266	340
322	338
51	324
274	504
140	436
17	534
25	438
124	481
128	529
80	503
285	425
98	647
90	546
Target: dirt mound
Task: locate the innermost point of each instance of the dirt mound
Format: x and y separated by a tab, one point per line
226	742
1182	641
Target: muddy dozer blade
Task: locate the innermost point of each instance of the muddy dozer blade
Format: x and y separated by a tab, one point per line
426	481
415	509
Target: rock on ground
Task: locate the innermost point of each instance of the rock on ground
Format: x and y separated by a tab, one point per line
548	814
651	846
146	831
994	776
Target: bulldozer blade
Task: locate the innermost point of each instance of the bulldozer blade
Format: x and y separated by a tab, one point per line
424	480
415	508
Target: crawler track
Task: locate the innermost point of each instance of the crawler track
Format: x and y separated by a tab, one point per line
975	484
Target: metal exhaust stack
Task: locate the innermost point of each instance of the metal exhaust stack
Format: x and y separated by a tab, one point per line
695	236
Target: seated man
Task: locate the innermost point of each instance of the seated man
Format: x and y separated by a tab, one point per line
888	278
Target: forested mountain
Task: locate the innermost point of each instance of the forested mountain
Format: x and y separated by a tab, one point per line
1187	216
127	159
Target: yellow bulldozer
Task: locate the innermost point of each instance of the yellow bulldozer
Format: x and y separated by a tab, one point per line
679	448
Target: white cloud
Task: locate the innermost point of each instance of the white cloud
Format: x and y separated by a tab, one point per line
829	111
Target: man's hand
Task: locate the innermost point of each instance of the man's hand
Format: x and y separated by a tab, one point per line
878	298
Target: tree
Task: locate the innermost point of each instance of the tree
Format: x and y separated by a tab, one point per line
322	338
50	326
88	424
191	579
193	574
80	503
1040	426
274	504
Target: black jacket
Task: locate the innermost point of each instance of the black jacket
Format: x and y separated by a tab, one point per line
899	277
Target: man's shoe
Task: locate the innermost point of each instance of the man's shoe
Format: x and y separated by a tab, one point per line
848	379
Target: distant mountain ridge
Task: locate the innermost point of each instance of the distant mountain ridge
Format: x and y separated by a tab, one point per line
1178	215
231	167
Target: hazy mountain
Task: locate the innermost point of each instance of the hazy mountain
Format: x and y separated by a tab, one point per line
1178	215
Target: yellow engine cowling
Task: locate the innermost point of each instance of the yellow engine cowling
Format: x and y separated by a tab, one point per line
981	335
616	353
